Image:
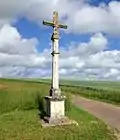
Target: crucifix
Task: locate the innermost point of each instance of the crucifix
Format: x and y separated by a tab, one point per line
55	102
55	91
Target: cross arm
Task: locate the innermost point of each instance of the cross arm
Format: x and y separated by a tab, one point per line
48	23
63	26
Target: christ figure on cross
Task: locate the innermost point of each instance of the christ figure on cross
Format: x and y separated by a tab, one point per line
55	91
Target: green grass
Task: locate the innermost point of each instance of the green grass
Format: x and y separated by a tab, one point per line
98	90
94	84
106	95
19	116
26	125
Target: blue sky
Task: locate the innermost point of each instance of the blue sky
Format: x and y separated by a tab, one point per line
97	2
90	48
29	29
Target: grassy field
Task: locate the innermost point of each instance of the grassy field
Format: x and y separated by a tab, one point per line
94	84
98	90
19	116
107	94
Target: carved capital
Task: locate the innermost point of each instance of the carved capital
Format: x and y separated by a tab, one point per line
55	93
55	35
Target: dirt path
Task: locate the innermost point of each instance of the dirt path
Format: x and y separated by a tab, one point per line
108	113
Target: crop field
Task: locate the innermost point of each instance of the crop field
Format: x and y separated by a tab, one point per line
98	90
21	106
94	84
104	91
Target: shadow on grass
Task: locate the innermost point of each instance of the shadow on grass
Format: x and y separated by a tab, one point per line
41	105
68	103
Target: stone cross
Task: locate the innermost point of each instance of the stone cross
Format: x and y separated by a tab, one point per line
55	91
55	103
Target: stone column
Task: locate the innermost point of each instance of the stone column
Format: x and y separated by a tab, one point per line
55	67
55	102
55	92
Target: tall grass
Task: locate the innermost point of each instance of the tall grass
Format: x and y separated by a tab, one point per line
17	101
18	97
100	90
21	95
108	95
20	103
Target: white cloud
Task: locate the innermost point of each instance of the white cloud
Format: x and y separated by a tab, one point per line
20	58
91	59
18	51
97	43
11	42
105	59
89	19
112	72
80	16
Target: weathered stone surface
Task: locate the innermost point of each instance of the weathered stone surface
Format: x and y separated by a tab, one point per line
55	93
55	66
47	122
55	107
55	103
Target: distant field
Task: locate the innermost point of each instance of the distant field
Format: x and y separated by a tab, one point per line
19	115
94	84
99	90
104	91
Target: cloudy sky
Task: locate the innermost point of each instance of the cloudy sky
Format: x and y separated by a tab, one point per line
90	47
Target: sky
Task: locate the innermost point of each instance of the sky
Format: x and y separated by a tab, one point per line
89	48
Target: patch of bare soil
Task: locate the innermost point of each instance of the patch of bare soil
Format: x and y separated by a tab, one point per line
3	86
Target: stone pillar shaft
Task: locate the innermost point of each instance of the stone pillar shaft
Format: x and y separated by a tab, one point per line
55	64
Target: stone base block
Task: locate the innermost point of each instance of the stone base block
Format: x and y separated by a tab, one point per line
55	112
55	108
47	122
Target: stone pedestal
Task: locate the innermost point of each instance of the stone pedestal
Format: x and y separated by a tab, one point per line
55	112
55	107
